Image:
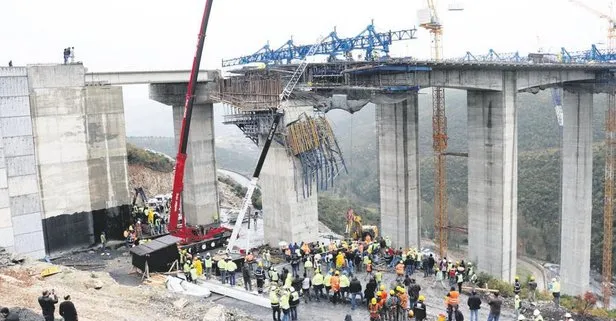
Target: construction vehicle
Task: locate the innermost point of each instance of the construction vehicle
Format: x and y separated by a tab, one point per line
196	238
278	113
356	231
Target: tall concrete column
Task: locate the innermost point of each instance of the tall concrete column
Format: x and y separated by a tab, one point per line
287	215
200	196
576	193
493	179
398	150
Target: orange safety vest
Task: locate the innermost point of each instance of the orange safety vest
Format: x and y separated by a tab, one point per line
403	299
335	282
453	298
374	310
400	269
384	295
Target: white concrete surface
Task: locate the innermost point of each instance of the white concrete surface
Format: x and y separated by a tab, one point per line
20	205
398	155
288	215
493	178
576	193
148	77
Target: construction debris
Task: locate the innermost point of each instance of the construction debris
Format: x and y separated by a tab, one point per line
179	285
9	259
238	294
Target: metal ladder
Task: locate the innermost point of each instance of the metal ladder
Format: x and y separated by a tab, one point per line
288	89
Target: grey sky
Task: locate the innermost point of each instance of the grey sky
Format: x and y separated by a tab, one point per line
155	34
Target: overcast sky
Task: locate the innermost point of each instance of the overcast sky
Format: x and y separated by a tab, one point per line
155	34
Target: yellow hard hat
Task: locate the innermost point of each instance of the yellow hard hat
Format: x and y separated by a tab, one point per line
392	292
337	272
517	278
421	297
369	261
399	289
382	287
260	264
411	313
373	301
532	278
378	293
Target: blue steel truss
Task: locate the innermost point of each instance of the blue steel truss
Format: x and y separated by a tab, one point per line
369	40
594	55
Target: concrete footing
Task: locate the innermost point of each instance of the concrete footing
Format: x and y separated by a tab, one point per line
493	179
287	215
576	193
398	150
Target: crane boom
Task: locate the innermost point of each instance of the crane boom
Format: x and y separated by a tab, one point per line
286	92
178	181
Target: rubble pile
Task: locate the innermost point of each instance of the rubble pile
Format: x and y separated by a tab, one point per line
9	259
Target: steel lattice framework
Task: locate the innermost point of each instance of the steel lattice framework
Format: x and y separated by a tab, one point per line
368	40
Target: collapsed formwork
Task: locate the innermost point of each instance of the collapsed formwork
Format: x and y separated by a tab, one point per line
253	99
312	141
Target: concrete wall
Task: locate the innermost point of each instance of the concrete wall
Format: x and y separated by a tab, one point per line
20	204
398	154
576	193
493	179
287	215
79	149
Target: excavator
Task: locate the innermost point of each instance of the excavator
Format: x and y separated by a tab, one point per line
357	231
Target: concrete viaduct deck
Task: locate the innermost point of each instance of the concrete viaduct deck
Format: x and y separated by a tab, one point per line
492	90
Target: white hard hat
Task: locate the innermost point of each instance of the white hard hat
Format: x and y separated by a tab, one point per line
536	312
567	315
521	317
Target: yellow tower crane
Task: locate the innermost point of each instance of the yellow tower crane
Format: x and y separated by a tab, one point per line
429	19
610	162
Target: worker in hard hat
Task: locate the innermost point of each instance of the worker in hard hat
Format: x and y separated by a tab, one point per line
381	301
537	315
260	277
555	289
373	309
275	303
285	304
335	282
452	301
517	287
532	288
521	317
392	306
344	286
403	300
222	268
517	304
419	308
327	281
317	284
208	266
568	317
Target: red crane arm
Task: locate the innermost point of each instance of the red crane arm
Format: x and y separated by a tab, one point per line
180	162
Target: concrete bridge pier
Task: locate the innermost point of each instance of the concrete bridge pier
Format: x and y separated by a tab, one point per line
493	178
288	215
200	196
398	150
576	193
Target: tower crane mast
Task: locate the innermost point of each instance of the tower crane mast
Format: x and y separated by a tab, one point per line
610	163
439	132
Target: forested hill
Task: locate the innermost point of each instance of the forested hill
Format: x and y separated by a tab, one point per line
538	169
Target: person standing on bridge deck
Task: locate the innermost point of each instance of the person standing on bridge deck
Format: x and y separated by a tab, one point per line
72	55
10	63
67	53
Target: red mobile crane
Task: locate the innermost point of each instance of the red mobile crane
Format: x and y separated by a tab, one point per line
199	237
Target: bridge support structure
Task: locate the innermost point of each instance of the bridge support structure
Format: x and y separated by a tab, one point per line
289	215
493	178
200	196
576	184
398	158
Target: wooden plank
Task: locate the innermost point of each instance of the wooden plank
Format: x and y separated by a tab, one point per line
237	293
468	288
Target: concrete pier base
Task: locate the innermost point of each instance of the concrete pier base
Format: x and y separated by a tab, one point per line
200	196
398	150
576	193
287	215
492	179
